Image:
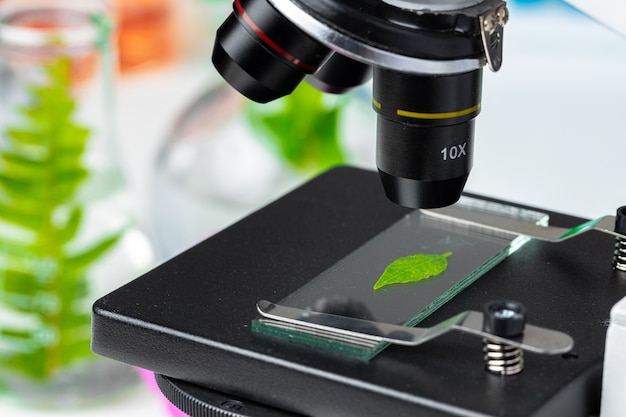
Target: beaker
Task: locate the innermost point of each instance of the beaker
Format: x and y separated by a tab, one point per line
67	233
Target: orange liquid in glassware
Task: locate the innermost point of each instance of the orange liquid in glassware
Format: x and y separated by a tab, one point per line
145	33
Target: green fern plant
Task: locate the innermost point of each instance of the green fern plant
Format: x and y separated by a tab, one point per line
44	286
304	131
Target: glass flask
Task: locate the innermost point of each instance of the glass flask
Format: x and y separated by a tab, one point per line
67	234
227	156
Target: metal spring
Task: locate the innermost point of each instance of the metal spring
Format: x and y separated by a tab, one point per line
502	359
619	256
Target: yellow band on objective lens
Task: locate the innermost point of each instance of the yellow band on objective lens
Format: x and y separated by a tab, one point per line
431	116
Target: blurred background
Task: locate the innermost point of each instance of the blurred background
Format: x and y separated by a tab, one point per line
196	157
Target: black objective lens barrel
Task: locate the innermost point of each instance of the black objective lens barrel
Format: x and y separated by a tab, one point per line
262	54
340	74
425	134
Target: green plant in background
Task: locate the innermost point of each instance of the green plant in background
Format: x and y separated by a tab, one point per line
302	127
44	288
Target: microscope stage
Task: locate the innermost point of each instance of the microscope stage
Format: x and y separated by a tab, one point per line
190	319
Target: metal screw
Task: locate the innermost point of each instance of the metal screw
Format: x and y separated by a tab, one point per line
495	18
490	22
504	313
502	14
232	405
503	318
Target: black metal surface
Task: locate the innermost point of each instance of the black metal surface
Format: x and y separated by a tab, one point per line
189	319
202	402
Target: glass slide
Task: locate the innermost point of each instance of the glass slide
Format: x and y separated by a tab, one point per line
347	288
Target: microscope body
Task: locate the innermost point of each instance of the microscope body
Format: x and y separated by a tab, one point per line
189	319
426	59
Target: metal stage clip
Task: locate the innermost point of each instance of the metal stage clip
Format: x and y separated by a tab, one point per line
533	339
462	215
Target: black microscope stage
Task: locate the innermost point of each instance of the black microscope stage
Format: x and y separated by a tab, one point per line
189	320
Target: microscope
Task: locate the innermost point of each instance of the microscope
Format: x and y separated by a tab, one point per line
332	347
426	59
